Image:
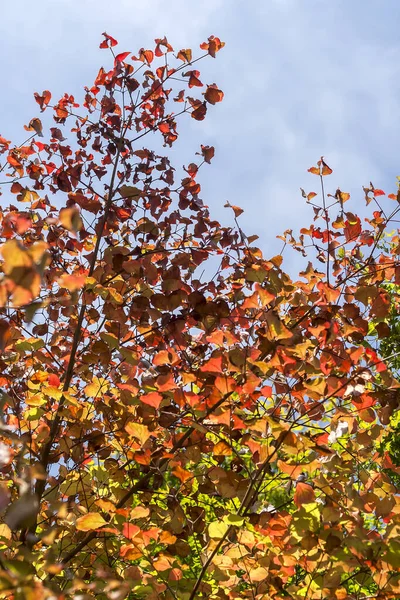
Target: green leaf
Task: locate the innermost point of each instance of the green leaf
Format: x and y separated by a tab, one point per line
235	520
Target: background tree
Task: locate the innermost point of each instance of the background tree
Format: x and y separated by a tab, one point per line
167	432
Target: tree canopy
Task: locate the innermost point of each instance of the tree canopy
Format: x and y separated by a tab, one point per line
181	419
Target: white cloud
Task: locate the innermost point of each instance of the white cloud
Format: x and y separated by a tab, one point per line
301	79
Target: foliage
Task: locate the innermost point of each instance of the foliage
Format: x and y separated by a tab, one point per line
173	434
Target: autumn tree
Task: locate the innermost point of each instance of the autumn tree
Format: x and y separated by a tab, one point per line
169	432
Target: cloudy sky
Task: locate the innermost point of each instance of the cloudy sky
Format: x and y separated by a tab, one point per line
302	78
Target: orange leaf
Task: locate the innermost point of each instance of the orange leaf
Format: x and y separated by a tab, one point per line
236	209
153	399
35	125
185	55
213	94
304	494
314	170
225	385
182	474
325	169
214	45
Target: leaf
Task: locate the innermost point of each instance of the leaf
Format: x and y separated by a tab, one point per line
185	55
90	522
152	399
43	100
325	170
130	191
96	387
213	46
321	169
5	334
72	282
213	94
208	153
314	170
217	530
70	218
138	431
21	514
35	125
236	209
194	80
258	574
304	494
145	56
234	520
108	42
225	385
121	57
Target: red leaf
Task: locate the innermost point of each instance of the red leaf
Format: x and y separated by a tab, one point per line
194	80
43	100
130	530
121	57
145	56
108	42
54	380
163	42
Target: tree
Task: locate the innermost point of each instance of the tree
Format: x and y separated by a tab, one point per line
174	433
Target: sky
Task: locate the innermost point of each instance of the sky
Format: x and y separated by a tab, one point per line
302	79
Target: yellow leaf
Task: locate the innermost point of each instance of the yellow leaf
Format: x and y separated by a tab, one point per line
258	574
70	218
96	387
90	522
15	256
138	431
139	512
129	191
35	400
52	392
5	531
217	530
222	449
317	386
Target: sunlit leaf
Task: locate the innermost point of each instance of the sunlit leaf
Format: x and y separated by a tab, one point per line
90	522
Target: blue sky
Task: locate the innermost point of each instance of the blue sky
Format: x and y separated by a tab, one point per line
302	78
